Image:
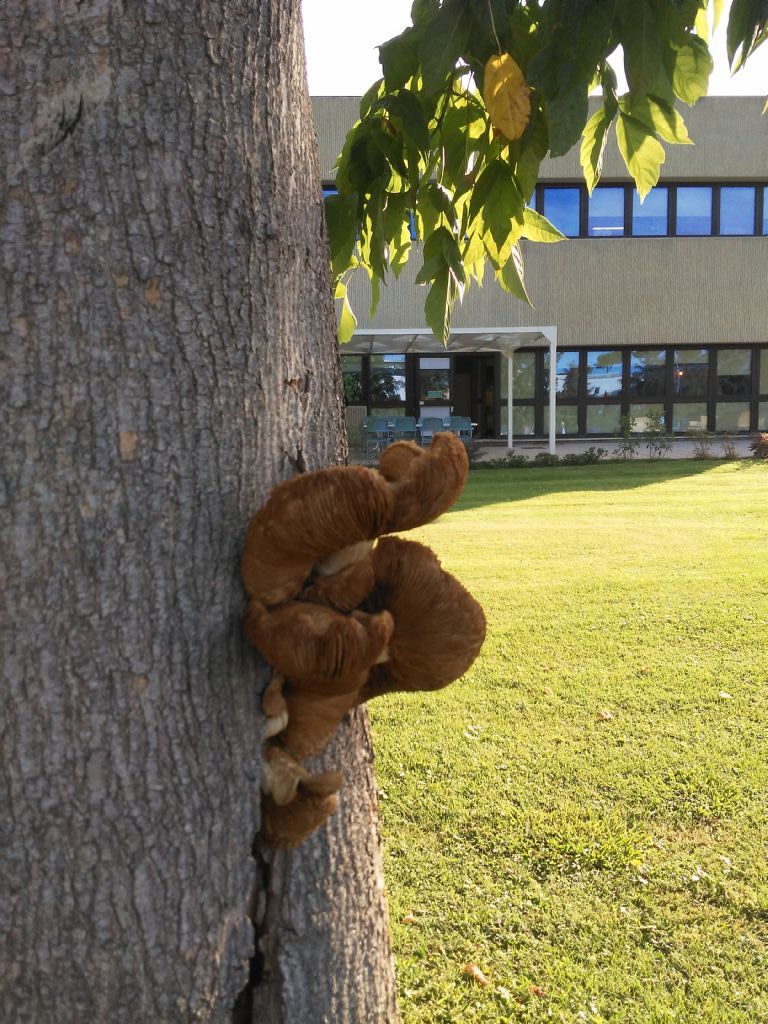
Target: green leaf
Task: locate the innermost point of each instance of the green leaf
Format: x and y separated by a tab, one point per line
642	152
538	229
408	114
718	6
443	44
643	45
437	308
702	24
662	118
423	11
347	320
747	29
341	218
567	114
593	147
399	58
511	278
693	66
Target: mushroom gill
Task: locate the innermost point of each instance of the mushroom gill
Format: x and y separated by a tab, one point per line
424	481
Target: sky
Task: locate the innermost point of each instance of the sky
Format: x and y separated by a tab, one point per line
342	35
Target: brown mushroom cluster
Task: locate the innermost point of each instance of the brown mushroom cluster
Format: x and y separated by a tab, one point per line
344	613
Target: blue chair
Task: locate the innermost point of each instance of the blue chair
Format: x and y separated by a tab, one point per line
462	427
404	428
376	435
428	427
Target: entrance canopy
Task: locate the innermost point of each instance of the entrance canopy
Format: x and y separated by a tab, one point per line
463	341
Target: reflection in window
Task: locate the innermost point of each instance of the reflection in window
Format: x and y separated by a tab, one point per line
562	208
605	212
765	211
645	416
732	416
390	412
387	378
691	372
737	210
434	379
523	375
352	375
734	372
603	419
523	419
603	374
762	416
650	216
694	210
689	416
566	374
648	372
764	371
567	421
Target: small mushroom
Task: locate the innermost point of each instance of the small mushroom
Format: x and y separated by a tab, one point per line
305	521
282	776
295	802
424	482
439	626
315	647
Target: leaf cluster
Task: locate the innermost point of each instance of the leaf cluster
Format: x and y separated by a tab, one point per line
425	160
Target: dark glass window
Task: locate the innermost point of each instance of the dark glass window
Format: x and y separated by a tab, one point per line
737	210
603	374
561	208
434	379
691	372
765	210
694	210
734	372
387	379
649	217
605	212
764	371
648	373
352	375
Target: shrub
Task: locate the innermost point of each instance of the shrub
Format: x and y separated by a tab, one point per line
546	459
702	444
729	448
629	445
759	447
507	462
658	440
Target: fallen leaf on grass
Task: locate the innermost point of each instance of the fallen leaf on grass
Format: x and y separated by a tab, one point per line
725	696
408	919
536	990
476	974
604	716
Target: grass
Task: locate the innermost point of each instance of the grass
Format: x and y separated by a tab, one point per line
584	816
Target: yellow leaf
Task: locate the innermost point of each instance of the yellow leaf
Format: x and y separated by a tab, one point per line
507	96
475	974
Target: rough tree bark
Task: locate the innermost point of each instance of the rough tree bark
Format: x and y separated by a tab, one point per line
167	346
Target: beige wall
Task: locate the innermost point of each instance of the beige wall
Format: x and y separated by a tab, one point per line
616	291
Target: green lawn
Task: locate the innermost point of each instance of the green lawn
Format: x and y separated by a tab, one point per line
585	815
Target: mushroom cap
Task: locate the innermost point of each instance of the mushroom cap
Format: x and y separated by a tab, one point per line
314	717
317	647
439	626
306	519
424	482
290	824
345	589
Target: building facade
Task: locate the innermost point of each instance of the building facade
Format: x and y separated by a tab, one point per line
659	309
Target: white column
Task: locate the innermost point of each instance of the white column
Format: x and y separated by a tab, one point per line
510	355
551	333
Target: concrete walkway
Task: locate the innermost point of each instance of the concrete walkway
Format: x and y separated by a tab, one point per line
682	447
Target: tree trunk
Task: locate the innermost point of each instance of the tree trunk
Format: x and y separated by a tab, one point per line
167	346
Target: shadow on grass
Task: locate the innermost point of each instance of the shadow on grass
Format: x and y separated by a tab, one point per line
491	486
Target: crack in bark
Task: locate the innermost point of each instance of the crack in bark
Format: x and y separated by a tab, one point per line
242	1010
67	124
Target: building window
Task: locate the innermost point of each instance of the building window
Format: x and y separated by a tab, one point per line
562	207
737	210
649	217
764	371
648	373
688	416
732	416
765	210
352	376
645	416
387	379
523	376
605	212
762	416
567	419
691	373
566	375
734	373
694	210
434	379
604	374
523	419
603	419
